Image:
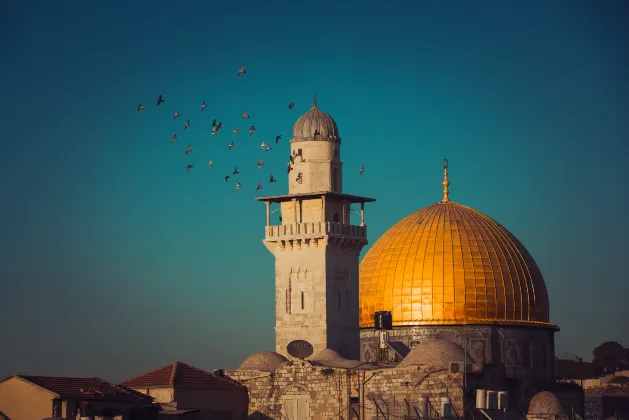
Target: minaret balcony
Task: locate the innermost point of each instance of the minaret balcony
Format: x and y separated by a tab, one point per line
315	230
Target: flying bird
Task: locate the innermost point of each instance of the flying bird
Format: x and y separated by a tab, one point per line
235	171
267	148
160	100
211	163
241	71
278	138
227	178
203	106
299	177
271	179
173	138
362	169
219	126
291	105
259	187
231	145
140	107
214	131
316	133
176	115
235	131
245	115
262	145
251	129
186	125
260	164
189	167
238	185
188	149
214	123
292	159
288	169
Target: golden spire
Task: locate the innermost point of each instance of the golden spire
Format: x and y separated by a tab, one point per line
445	182
314	101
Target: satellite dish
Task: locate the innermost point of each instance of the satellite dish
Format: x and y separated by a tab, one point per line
299	349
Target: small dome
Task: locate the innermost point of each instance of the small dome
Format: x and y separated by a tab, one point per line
546	403
330	358
265	361
435	352
313	120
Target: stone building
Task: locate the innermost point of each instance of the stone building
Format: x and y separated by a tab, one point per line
181	391
470	334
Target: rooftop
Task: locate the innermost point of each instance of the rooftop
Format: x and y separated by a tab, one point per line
289	197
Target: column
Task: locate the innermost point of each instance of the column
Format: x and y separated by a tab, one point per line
345	215
362	214
295	210
268	213
323	209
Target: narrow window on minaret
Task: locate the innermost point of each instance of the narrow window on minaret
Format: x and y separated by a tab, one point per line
303	302
339	300
287	300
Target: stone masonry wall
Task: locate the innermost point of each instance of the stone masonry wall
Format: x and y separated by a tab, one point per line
329	391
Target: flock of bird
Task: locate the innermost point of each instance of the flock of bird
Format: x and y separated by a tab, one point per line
217	126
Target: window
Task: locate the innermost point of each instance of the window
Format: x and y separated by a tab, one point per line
303	301
339	300
298	152
287	300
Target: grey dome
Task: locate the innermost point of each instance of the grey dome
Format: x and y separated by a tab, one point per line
546	403
264	361
435	352
315	119
330	358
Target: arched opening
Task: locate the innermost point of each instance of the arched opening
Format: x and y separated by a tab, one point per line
303	301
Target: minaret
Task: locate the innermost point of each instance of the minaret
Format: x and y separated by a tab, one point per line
316	248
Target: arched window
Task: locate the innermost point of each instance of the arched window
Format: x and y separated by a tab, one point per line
303	301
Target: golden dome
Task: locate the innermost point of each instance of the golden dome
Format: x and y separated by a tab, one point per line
450	264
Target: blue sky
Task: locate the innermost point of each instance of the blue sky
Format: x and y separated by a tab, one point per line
114	260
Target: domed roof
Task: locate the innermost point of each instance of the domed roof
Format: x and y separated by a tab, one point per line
547	404
331	358
435	352
315	119
264	361
450	264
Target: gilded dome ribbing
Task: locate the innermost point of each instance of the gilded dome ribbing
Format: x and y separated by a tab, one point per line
313	120
450	264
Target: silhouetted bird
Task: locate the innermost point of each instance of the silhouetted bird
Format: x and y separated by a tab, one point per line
160	100
235	171
245	115
231	145
214	123
189	167
277	139
260	163
242	71
316	133
362	169
238	185
173	138
271	179
140	107
211	163
291	105
227	178
203	106
176	115
259	187
188	149
288	169
300	177
252	129
235	131
186	125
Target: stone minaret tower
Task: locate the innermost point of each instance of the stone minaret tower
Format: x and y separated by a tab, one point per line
316	248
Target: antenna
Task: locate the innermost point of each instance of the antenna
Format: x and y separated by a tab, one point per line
299	349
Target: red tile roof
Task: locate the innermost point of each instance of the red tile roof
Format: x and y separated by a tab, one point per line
85	388
180	375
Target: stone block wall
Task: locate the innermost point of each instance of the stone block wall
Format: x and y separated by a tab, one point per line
334	393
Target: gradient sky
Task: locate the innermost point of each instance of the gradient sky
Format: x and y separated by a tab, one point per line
114	260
